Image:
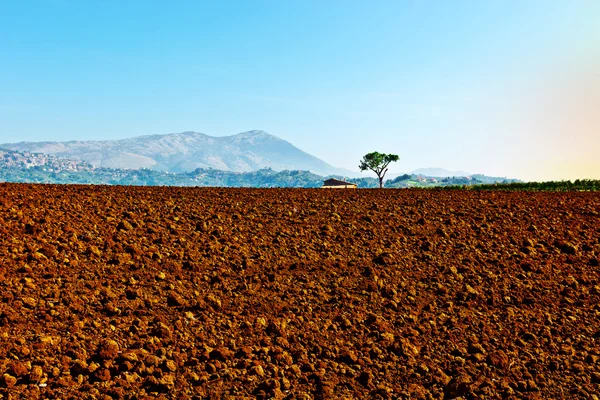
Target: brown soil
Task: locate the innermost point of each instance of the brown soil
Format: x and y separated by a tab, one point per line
134	293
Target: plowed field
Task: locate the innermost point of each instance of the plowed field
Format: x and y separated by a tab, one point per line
139	293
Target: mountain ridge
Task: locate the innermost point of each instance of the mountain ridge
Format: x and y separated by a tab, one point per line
187	151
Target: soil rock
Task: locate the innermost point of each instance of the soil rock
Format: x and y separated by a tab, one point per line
109	349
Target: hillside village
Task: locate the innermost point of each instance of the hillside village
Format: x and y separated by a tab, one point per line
46	162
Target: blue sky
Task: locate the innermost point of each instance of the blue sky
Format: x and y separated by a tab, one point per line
476	86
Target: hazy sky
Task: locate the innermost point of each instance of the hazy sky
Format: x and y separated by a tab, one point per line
505	88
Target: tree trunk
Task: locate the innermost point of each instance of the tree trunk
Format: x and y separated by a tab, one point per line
381	175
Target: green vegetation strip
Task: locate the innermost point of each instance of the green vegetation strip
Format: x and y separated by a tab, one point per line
579	185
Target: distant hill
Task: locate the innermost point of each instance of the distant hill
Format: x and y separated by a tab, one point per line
16	166
187	151
439	172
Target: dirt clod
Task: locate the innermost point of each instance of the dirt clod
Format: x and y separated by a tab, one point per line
109	349
9	381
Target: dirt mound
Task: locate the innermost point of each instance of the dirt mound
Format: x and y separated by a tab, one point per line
134	293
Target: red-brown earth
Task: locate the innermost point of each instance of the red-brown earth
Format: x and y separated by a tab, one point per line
139	293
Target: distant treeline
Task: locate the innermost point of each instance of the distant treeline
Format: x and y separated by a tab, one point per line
263	178
579	185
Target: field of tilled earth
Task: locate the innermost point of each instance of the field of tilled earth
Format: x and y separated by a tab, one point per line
184	293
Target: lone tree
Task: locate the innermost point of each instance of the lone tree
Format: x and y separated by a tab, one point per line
378	163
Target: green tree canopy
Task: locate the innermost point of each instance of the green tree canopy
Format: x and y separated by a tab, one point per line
378	163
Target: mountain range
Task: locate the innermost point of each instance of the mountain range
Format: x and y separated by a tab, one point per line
187	151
